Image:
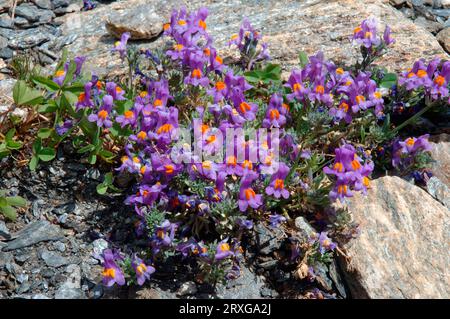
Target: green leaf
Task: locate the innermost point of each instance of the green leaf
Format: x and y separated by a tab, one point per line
37	145
16	201
303	57
46	154
75	88
9	136
87	148
13	145
33	163
92	159
389	80
108	178
102	188
23	95
3	202
44	132
45	83
9	212
70	72
47	108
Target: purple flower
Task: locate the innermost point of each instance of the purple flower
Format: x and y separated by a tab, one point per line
84	99
223	250
102	117
115	91
121	46
276	186
112	274
274	114
276	220
64	128
366	33
143	271
325	243
60	76
247	196
403	152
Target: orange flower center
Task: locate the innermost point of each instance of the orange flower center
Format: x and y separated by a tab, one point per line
202	24
357	29
338	166
60	73
219	60
422	73
410	141
344	106
181	22
141	135
274	114
360	99
102	114
377	94
165	128
141	269
247	164
220	86
118	89
366	181
356	165
143	94
342	189
244	107
368	35
204	128
439	80
178	47
231	161
279	184
249	193
169	169
224	247
81	97
207	51
296	87
285	106
340	71
196	73
320	89
109	272
206	164
129	114
166	26
211	139
157	102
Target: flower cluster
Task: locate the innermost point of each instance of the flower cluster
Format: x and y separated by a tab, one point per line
404	152
351	172
433	78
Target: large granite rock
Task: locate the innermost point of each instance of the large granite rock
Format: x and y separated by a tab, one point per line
440	152
403	248
289	27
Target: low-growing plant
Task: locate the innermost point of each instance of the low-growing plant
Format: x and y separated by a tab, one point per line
216	148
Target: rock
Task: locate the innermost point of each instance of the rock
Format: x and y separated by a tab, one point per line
444	39
397	3
43	4
67	208
34	233
99	246
305	231
289	27
402	251
142	22
69	293
445	4
268	240
336	278
187	288
70	8
74	279
5	258
247	286
33	13
445	13
440	152
52	259
98	291
430	26
4	231
59	246
6	53
27	39
439	190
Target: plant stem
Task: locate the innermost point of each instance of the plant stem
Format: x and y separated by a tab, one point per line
413	118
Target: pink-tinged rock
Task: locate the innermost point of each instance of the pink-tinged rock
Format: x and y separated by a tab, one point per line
440	152
403	249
